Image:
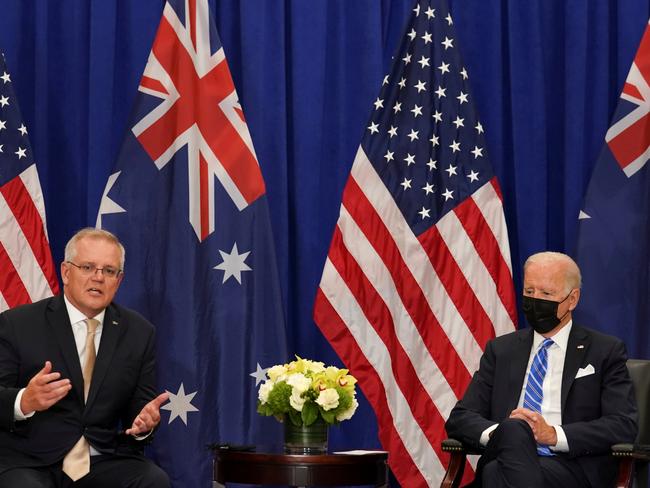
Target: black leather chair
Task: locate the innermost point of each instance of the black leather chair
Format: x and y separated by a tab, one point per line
634	457
633	466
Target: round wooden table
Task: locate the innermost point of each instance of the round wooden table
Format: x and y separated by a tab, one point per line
260	468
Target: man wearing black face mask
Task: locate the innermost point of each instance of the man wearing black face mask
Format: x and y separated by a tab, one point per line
548	401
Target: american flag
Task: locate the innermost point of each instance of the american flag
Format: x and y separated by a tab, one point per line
418	274
188	200
27	270
614	231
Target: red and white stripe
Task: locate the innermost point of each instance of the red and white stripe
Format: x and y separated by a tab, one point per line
410	315
28	272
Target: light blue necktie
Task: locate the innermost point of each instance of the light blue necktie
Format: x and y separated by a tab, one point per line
534	393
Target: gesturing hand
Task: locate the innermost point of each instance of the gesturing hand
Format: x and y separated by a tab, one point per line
148	417
44	390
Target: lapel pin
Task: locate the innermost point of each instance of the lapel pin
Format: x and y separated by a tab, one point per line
581	346
114	322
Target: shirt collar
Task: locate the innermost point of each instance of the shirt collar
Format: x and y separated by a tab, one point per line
77	316
561	338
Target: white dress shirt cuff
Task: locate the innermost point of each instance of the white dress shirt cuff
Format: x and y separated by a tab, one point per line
18	413
142	437
485	435
562	442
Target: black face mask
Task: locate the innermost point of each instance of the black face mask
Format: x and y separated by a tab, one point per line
542	314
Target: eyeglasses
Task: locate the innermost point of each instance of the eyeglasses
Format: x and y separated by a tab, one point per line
90	269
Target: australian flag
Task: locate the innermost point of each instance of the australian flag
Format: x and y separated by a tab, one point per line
188	201
614	233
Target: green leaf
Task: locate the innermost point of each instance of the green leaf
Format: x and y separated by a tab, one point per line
309	413
295	418
264	409
329	416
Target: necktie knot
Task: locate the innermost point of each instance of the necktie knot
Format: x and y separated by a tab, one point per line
91	326
548	342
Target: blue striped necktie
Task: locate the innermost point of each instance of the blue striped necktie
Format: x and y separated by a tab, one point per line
534	393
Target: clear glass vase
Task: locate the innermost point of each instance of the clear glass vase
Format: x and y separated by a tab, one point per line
311	439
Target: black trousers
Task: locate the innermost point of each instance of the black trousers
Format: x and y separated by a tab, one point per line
511	461
105	472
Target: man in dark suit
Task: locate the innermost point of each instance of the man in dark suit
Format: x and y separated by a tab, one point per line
548	411
77	381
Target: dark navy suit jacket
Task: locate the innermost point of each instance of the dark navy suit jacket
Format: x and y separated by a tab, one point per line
123	382
598	410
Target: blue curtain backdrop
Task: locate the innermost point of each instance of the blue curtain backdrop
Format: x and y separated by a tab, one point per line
545	74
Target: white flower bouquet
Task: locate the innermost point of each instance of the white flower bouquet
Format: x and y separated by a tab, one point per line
305	391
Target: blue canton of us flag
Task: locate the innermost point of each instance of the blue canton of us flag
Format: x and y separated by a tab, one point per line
424	138
188	201
614	233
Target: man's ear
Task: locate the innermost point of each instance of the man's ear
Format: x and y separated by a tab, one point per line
574	298
65	271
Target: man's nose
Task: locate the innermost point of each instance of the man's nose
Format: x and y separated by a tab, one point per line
98	274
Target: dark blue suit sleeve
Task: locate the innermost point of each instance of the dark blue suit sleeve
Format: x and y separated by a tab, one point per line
8	375
471	415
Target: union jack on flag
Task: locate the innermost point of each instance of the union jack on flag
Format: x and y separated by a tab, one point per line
418	277
627	136
188	200
27	271
614	228
199	108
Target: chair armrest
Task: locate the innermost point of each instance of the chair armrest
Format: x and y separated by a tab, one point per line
456	467
636	451
454	445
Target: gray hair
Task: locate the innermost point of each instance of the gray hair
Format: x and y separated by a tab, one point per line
572	278
92	233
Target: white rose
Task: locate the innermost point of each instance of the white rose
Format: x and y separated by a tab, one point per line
265	389
296	400
277	373
347	414
298	382
328	399
315	366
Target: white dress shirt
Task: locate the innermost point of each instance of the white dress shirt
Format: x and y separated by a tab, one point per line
552	386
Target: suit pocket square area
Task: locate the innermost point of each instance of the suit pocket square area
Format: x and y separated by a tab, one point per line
586	371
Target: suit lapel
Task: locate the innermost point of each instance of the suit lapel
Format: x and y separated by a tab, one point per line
59	322
518	366
577	346
112	329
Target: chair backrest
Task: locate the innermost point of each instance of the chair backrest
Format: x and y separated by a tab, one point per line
640	373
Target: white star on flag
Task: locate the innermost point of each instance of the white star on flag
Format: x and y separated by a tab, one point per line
259	374
233	264
106	205
180	404
473	176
